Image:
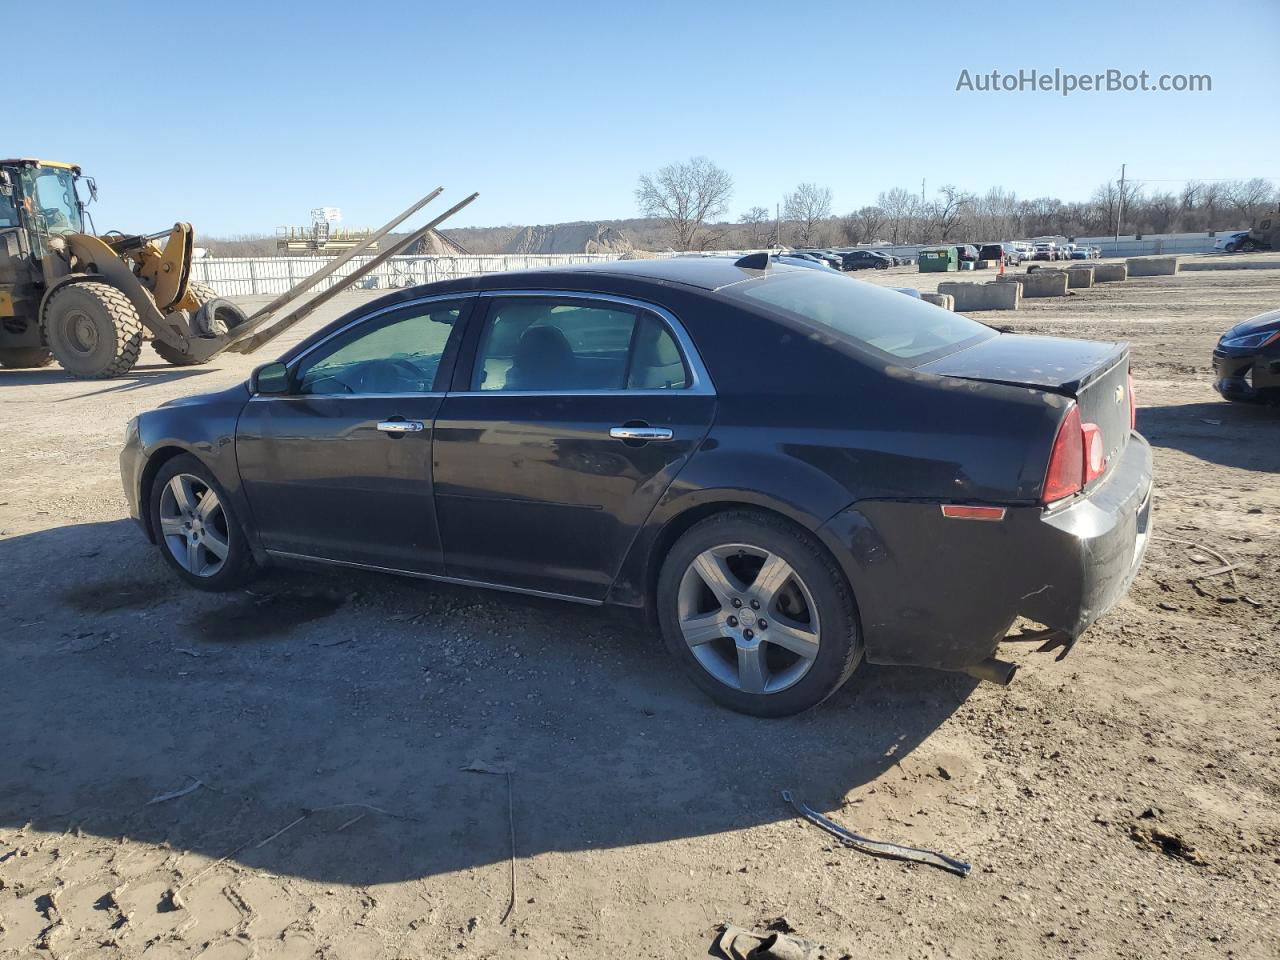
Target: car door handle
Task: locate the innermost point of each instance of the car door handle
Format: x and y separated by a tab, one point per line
641	433
401	426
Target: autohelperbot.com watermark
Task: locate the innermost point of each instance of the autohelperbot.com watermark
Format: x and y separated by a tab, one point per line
1065	83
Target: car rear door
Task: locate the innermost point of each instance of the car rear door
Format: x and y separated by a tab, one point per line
571	414
339	468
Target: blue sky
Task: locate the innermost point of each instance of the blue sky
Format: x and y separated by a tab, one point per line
243	116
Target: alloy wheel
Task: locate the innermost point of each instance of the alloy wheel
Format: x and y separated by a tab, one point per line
748	618
193	524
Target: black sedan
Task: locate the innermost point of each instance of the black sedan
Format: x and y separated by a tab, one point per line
866	260
1246	361
792	470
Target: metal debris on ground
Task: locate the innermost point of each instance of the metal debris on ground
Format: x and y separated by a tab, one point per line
174	795
735	943
877	848
501	770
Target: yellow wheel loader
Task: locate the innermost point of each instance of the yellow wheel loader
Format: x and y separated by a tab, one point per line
89	301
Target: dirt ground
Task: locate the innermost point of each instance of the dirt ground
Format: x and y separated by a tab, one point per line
312	733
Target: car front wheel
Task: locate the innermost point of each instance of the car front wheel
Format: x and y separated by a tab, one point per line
196	529
758	614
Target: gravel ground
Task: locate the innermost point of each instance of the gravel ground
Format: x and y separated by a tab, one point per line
1121	803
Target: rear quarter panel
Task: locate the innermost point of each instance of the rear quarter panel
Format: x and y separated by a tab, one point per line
806	430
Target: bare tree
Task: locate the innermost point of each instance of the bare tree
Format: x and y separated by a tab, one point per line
1162	211
948	211
685	196
900	208
863	224
1250	197
759	224
807	207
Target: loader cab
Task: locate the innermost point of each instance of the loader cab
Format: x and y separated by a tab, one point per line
40	198
56	206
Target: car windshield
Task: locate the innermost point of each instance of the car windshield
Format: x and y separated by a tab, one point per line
901	330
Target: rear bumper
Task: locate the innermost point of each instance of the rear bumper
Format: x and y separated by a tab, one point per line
939	592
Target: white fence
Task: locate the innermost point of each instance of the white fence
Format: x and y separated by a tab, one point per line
1154	244
255	276
1148	245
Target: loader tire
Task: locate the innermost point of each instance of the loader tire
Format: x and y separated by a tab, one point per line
93	330
24	358
202	293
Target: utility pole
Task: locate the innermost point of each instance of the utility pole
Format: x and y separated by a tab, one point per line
777	223
1120	203
922	191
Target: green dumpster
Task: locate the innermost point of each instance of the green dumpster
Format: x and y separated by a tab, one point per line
938	260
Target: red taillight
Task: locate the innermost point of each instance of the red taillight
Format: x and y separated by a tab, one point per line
1065	475
1079	455
1133	405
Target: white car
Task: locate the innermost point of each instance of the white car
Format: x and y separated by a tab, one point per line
1230	242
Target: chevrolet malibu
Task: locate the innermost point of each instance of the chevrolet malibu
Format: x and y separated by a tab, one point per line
788	470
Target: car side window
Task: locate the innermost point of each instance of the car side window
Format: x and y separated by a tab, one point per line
554	345
397	353
656	361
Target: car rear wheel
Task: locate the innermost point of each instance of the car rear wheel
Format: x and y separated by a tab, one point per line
196	529
758	614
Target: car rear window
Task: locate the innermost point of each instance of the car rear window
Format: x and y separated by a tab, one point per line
900	329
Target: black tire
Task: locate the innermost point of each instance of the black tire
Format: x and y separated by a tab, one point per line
239	566
24	358
839	647
93	330
202	293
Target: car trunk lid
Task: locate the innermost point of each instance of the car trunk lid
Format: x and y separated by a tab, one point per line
1095	374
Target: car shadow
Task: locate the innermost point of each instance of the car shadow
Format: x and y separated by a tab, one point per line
140	376
1246	436
325	698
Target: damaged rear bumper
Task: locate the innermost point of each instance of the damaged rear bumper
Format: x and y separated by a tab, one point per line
940	592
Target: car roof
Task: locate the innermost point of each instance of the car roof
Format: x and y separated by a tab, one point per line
705	273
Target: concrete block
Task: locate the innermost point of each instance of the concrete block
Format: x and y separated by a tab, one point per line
1080	277
981	264
1152	266
943	300
1110	272
1231	265
983	296
1041	283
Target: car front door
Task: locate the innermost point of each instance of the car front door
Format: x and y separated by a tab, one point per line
339	468
569	418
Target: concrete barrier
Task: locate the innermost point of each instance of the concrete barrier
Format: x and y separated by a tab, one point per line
1152	266
1231	265
1080	277
1110	272
983	296
943	300
1041	283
